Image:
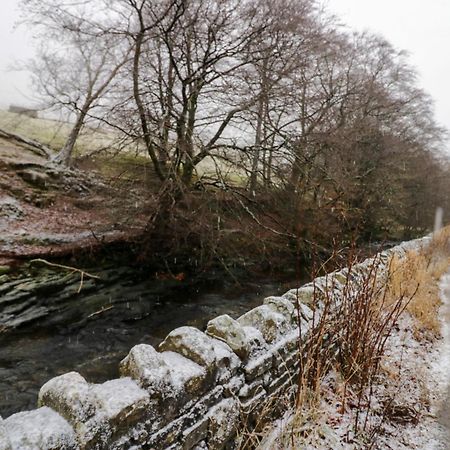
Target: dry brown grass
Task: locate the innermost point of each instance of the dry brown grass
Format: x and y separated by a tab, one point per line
416	276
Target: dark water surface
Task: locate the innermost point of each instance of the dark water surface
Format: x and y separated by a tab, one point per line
128	312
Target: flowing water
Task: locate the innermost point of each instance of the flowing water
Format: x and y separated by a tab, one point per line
126	312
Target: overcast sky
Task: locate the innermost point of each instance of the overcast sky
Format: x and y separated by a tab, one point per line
14	46
419	26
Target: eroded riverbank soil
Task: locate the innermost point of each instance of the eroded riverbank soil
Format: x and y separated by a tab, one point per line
46	210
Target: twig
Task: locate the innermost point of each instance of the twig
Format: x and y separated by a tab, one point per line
72	269
100	311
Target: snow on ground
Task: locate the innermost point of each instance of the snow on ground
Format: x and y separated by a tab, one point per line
409	406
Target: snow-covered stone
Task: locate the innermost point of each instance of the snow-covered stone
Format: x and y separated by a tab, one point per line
226	360
169	377
259	365
282	306
5	444
191	343
185	374
234	385
70	396
256	343
251	389
290	342
145	365
341	276
196	433
40	429
122	401
308	295
73	398
271	324
230	331
224	420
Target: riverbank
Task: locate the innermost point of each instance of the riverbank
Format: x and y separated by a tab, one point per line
204	387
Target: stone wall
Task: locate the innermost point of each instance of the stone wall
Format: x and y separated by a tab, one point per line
33	113
197	390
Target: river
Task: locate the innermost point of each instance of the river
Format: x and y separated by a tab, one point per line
92	331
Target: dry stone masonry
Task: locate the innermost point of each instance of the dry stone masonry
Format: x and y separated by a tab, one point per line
196	391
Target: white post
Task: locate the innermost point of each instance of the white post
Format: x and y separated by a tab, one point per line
438	219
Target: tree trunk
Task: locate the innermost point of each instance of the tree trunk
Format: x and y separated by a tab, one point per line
257	154
188	172
141	108
64	156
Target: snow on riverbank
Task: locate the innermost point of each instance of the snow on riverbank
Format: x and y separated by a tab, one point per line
409	406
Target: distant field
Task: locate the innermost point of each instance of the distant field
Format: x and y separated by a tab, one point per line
53	133
48	132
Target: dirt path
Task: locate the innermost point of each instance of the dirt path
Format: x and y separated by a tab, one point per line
444	366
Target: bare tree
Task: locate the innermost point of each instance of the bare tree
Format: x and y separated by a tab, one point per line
74	71
315	117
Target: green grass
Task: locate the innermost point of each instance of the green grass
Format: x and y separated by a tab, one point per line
224	170
53	133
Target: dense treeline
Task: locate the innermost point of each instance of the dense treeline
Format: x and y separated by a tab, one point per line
263	120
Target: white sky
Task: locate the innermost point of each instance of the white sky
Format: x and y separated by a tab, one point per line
14	46
420	26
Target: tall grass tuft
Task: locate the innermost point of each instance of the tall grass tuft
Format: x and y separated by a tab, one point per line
350	337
